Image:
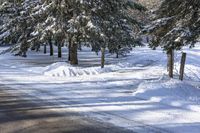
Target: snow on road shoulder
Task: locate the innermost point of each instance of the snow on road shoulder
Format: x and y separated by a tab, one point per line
171	92
63	69
184	94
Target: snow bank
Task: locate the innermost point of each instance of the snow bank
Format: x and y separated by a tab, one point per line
63	69
171	92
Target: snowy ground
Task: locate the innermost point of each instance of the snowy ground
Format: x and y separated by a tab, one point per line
132	92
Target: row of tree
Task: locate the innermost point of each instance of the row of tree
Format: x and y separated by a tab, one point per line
98	24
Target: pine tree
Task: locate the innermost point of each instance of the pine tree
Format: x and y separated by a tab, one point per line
111	26
176	24
8	11
18	25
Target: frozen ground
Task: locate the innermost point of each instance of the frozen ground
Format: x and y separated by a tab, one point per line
132	92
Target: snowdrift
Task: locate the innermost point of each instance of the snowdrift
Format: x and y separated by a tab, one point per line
171	92
63	69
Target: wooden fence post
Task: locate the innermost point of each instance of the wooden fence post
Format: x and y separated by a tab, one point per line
170	64
182	67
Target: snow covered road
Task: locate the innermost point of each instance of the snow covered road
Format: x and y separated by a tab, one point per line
62	99
22	113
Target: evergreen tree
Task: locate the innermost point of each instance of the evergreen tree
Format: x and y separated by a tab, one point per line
176	24
8	11
18	26
112	25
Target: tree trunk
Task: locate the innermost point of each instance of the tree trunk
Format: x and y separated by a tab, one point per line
23	48
38	48
182	67
73	54
102	57
45	49
170	64
59	50
117	54
69	50
118	49
51	47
